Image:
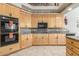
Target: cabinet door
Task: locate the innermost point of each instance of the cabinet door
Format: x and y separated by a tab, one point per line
35	40
9	49
61	39
23	41
28	20
15	12
44	38
34	21
29	40
51	21
59	21
4	9
22	19
53	39
39	17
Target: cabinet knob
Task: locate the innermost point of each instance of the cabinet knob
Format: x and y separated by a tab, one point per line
71	53
26	38
72	42
10	48
71	48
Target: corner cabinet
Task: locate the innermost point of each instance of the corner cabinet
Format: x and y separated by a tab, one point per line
26	40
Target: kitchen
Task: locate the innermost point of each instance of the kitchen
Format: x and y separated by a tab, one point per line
26	28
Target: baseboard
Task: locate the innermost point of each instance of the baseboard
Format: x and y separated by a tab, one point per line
49	45
35	45
16	51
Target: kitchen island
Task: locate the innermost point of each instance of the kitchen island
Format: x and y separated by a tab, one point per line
72	46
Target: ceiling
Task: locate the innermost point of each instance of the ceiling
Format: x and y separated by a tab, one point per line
45	7
44	4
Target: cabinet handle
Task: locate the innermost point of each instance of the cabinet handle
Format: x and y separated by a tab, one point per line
26	38
72	54
10	48
72	42
42	37
71	48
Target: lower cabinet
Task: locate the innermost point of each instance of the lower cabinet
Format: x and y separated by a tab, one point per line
40	39
53	39
61	39
26	41
48	39
72	47
9	49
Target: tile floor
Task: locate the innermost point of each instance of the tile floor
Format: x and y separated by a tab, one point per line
42	51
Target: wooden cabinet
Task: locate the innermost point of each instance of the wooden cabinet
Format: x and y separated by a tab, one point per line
61	39
9	10
26	40
9	49
22	20
70	53
4	9
40	39
34	21
29	38
28	19
53	39
14	11
23	42
59	21
49	39
44	40
25	19
53	20
72	47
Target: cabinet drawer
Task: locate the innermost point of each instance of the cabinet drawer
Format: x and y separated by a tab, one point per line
70	52
14	47
67	54
73	42
4	51
74	49
8	49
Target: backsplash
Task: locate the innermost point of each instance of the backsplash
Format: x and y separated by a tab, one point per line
36	30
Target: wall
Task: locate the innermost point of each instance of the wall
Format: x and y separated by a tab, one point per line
73	17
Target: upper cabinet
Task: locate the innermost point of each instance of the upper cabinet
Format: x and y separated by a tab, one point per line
9	10
34	20
53	20
25	19
4	9
22	19
60	21
14	11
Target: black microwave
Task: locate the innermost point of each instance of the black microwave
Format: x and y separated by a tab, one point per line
42	25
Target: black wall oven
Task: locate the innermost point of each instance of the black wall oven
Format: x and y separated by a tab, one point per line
9	30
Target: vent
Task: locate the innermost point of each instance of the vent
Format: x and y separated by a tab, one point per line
44	4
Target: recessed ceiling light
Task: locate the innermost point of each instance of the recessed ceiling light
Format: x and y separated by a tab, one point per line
69	9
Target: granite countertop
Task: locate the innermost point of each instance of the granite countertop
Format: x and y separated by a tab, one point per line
27	31
73	37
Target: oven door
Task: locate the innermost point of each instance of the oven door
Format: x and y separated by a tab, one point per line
6	40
